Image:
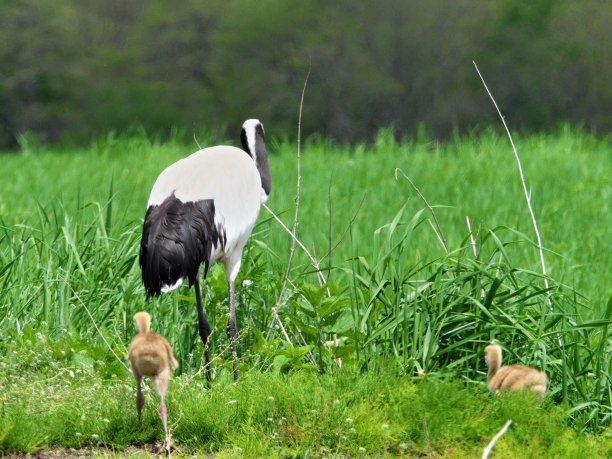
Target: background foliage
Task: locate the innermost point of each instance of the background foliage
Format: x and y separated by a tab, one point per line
73	69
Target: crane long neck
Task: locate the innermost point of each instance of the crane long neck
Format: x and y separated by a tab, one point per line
143	325
494	363
253	142
262	166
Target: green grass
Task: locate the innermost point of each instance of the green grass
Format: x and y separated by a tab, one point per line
477	177
70	223
49	400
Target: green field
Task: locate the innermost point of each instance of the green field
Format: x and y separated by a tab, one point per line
410	319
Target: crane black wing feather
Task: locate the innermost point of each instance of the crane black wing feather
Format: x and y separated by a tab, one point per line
176	238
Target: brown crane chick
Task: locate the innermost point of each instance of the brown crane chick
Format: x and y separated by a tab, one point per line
150	355
512	377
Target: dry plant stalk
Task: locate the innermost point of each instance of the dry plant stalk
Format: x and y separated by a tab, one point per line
311	255
487	450
292	233
527	195
295	220
297	195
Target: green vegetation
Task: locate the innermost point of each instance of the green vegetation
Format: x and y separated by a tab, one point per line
49	400
70	69
411	320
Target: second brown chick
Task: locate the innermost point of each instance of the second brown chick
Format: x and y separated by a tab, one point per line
512	377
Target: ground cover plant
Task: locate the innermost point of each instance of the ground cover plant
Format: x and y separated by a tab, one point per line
405	314
350	413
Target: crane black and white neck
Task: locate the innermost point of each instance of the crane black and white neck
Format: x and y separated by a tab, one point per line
202	210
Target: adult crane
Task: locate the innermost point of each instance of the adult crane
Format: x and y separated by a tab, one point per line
202	210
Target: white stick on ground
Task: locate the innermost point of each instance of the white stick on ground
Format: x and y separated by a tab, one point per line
487	450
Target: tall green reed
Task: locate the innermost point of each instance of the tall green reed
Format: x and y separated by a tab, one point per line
393	301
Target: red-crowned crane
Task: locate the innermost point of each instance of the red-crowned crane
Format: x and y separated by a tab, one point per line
512	377
202	209
150	354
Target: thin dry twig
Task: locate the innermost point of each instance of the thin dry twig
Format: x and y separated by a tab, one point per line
527	193
313	261
297	194
487	450
440	238
439	230
295	219
320	276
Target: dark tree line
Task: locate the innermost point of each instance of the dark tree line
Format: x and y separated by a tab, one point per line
74	70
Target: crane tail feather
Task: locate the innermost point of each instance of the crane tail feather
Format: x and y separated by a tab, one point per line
176	238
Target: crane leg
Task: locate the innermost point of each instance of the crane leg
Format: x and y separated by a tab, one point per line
203	327
231	326
139	399
163	415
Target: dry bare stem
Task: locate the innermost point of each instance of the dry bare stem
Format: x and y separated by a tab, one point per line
297	194
527	194
295	219
294	240
487	450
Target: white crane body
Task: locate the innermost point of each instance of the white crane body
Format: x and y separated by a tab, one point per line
202	209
